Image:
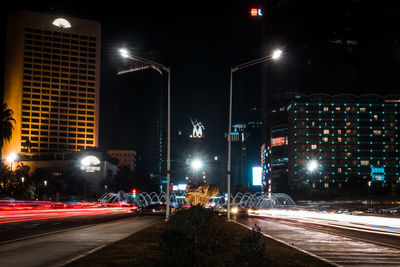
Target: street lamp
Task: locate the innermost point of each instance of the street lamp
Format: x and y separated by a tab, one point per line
158	67
196	164
275	55
312	165
11	158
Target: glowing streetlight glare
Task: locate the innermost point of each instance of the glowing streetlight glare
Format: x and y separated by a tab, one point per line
124	53
312	165
11	157
276	54
196	164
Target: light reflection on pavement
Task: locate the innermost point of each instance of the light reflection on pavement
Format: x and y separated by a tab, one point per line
341	250
377	224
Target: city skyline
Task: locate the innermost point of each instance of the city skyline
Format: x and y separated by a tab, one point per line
200	47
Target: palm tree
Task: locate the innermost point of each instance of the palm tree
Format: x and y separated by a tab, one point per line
6	127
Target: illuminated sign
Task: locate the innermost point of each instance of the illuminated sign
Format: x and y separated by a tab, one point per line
62	23
198	128
89	164
378	174
257	176
279	141
182	187
256	12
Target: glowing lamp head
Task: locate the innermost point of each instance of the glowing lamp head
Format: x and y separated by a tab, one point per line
312	165
124	53
197	164
11	157
276	54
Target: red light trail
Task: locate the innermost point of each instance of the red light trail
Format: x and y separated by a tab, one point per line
21	211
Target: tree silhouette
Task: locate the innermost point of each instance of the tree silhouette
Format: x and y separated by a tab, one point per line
6	127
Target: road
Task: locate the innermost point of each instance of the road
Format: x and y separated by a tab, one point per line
16	224
58	248
338	244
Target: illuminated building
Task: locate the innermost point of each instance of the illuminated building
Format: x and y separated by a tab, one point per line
354	139
279	157
52	77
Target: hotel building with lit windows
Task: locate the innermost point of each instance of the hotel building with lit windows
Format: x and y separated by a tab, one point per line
353	139
52	79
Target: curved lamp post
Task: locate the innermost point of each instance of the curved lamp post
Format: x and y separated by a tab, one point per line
158	67
275	55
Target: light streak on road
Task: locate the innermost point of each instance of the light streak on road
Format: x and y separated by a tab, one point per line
43	210
368	223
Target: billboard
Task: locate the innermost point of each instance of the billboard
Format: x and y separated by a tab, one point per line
257	176
279	141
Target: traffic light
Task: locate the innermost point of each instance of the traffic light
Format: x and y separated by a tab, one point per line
133	193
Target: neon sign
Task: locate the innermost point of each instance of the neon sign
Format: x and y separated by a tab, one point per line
378	174
256	12
279	141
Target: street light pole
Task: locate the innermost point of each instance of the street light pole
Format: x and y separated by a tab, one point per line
167	213
275	55
158	67
228	207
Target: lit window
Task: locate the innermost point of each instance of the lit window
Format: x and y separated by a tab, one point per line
339	170
326	185
377	132
339	139
339	131
326	108
313	146
325	139
364	162
326	131
337	108
376	117
363	109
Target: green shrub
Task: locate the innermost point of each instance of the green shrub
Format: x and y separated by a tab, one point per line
199	237
251	251
195	237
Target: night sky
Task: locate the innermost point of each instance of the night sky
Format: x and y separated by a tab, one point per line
201	40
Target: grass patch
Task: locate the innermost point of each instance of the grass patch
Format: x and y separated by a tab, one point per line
143	249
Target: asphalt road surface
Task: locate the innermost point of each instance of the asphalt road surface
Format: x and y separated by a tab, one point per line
60	247
25	223
339	246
